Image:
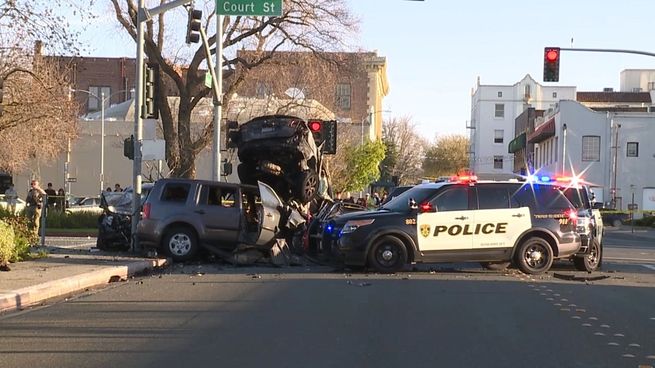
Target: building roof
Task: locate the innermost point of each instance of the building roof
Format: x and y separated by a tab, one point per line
614	97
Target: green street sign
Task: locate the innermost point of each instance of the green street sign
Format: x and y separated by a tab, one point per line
270	8
208	80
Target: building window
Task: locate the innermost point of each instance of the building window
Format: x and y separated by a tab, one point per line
95	94
632	149
554	94
498	162
343	96
555	150
498	135
500	93
500	111
263	90
651	86
526	92
591	148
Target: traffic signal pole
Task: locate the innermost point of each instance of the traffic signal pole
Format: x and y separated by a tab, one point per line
610	50
143	15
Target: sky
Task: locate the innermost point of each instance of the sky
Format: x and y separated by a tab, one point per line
436	49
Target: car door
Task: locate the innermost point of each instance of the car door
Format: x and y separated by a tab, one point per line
219	212
269	214
497	225
445	221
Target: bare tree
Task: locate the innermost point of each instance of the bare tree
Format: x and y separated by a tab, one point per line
38	117
308	25
408	149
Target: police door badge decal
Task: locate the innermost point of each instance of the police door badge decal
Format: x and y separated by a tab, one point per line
425	230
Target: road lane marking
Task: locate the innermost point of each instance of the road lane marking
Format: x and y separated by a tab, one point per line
648	266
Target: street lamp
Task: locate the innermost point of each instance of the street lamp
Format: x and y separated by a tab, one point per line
102	99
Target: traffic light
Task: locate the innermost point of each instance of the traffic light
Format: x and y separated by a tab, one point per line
128	147
150	108
325	133
551	64
330	137
193	27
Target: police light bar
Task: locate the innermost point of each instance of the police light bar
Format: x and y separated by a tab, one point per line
464	178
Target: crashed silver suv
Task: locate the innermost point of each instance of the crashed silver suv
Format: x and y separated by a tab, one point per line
181	215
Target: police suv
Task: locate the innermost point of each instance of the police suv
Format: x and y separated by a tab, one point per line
492	222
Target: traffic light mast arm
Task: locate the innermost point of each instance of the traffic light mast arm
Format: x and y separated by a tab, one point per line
610	50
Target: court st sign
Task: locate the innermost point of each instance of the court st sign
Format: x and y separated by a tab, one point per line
270	8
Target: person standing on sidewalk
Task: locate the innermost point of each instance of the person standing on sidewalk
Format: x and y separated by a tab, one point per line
12	198
34	205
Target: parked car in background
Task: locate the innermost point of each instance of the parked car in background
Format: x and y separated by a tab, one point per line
86	204
20	204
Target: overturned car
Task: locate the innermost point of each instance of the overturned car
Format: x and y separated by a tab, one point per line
280	150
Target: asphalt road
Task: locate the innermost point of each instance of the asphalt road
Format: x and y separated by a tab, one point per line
448	315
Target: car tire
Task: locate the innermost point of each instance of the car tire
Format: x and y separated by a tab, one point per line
495	266
100	244
534	256
617	223
388	255
306	186
591	261
180	243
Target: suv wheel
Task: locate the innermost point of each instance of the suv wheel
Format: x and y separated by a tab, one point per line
307	185
180	243
534	256
388	255
591	261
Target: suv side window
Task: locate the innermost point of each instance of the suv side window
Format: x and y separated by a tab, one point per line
540	197
217	196
452	199
492	197
175	192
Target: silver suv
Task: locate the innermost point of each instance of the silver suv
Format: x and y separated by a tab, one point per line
180	215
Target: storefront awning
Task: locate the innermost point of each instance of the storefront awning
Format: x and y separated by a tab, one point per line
517	143
543	131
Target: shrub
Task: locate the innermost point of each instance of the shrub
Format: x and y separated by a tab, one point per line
75	220
23	236
7	243
646	221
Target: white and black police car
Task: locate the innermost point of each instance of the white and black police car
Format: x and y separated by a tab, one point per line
463	220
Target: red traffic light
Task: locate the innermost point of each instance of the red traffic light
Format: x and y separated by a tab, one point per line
552	55
315	126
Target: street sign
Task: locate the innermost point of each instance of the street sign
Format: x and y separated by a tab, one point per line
208	79
270	8
72	180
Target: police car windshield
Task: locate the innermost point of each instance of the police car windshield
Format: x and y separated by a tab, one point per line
401	202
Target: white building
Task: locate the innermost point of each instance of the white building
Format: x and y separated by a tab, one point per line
612	151
637	80
493	110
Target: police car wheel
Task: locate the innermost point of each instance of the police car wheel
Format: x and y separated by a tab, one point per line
495	266
591	261
534	256
388	254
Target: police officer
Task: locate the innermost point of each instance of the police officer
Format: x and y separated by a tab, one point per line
34	205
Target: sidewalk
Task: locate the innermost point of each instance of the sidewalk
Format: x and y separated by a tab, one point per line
637	231
72	265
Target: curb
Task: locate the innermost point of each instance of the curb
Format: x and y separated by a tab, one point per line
33	295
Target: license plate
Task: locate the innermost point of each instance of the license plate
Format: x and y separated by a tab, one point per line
268	129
